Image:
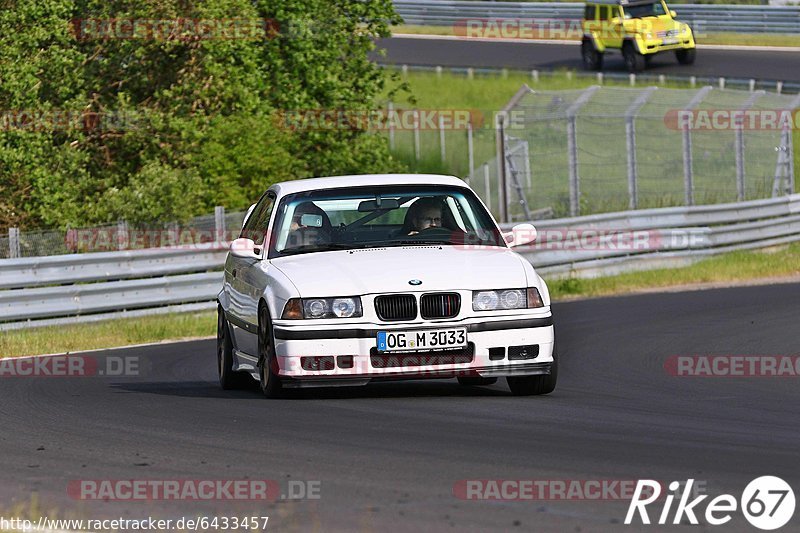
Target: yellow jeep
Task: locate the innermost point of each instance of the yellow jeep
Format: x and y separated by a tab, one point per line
640	28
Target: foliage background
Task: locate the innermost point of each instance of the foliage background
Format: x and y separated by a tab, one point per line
205	127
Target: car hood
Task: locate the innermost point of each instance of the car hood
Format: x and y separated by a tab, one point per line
379	270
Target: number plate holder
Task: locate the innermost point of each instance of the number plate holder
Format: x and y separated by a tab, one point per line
421	340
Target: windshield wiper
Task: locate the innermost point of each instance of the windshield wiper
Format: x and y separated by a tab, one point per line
318	248
409	241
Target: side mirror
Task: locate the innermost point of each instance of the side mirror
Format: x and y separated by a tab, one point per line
520	235
673	13
616	21
245	248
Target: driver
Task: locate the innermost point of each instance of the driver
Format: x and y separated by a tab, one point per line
425	213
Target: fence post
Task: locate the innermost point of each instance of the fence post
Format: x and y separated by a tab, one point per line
738	130
486	180
630	136
500	148
13	243
688	170
783	182
390	109
416	134
442	145
572	149
122	235
219	224
470	148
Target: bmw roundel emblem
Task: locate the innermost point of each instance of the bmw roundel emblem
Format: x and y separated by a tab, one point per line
414	282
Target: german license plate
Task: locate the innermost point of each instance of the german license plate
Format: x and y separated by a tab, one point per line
670	41
427	339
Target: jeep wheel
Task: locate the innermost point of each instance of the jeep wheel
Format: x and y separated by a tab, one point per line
685	56
634	61
592	59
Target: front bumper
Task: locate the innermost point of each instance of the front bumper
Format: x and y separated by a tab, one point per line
654	46
358	343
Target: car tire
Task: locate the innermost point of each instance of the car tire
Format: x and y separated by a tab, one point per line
475	381
535	385
268	380
228	378
686	56
634	61
592	59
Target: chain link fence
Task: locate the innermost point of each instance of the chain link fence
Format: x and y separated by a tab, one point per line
199	231
605	149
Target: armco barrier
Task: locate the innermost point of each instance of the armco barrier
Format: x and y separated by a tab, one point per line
89	286
702	18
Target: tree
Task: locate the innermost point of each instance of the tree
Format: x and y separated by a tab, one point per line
164	120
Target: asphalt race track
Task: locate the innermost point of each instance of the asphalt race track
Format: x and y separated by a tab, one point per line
388	455
760	65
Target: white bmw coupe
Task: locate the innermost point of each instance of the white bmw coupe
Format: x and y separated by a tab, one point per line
346	280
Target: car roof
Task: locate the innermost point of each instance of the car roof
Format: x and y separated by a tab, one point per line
360	180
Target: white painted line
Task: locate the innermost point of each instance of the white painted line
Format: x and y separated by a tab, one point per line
742	48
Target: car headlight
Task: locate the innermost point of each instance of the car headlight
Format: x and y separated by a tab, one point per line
343	307
496	300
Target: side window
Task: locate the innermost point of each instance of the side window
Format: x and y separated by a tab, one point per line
613	11
589	12
256	226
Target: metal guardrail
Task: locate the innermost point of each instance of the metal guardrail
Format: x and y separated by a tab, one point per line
112	296
86	287
79	268
702	18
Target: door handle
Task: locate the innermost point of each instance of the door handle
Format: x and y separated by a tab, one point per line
233	272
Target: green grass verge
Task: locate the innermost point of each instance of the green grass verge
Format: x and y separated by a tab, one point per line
724	269
107	334
726	38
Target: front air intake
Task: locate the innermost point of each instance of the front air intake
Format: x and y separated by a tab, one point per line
396	307
440	305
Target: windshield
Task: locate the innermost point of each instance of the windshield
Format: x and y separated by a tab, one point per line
654	9
380	216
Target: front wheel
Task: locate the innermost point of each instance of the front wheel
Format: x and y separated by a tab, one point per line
592	59
535	385
685	56
634	61
267	362
228	378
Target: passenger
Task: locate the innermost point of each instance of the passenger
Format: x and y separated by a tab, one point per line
423	214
